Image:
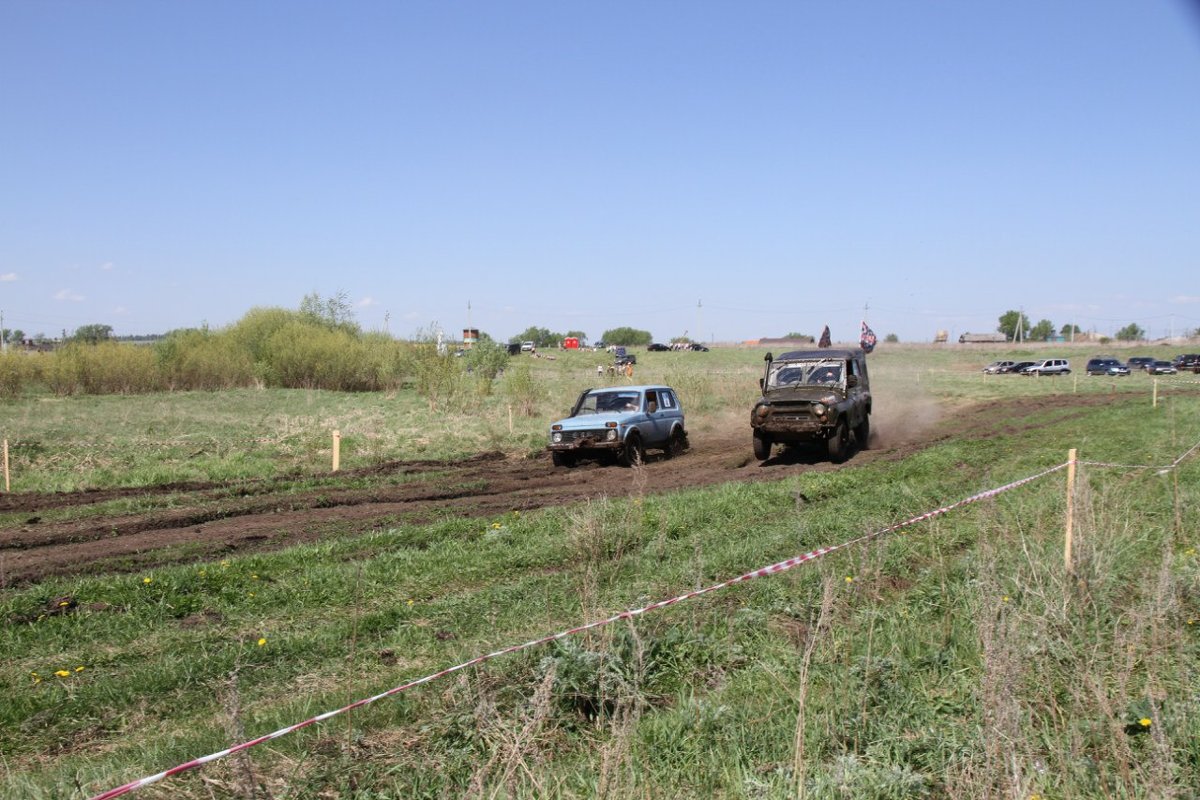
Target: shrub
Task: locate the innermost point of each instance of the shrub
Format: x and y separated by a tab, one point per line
18	371
200	360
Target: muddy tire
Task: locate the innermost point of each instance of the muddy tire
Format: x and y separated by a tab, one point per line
762	447
838	443
676	444
633	454
561	459
862	433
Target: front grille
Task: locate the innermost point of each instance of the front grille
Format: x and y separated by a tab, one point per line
575	436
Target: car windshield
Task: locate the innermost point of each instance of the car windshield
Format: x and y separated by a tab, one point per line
612	402
805	373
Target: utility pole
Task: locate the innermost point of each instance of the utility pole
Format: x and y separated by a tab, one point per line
387	315
699	332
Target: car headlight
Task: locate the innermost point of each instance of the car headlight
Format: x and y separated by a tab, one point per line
819	409
556	437
612	434
762	411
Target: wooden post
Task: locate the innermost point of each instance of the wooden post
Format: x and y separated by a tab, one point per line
510	428
1154	401
6	465
1069	540
337	450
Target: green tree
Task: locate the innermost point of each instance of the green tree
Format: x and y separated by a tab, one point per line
1131	333
891	338
335	313
1014	325
1042	331
1069	330
580	335
627	337
92	334
541	337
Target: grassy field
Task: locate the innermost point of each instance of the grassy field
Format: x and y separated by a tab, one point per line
957	658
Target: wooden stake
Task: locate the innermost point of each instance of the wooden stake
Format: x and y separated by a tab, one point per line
6	465
510	428
1154	402
1067	561
337	450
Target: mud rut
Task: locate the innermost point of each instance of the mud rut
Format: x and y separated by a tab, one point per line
206	521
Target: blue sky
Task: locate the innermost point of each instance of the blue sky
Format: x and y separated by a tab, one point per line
724	170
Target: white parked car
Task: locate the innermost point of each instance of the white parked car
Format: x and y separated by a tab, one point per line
1051	366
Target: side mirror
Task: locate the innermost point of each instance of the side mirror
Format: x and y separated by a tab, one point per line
762	385
768	357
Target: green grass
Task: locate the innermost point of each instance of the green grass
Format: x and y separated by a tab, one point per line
954	658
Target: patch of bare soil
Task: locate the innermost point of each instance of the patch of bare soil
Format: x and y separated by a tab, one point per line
212	520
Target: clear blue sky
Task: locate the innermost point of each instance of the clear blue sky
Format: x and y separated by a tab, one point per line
728	170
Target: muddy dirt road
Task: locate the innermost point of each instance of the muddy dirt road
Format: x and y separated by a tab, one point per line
191	522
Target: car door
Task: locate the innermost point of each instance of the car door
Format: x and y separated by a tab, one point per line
665	413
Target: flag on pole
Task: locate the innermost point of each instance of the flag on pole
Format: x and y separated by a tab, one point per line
867	340
825	340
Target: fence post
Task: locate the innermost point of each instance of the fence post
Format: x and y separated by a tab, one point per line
1068	541
1154	401
510	428
337	450
6	465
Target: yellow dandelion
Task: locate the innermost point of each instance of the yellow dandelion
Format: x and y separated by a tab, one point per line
496	525
224	563
63	604
849	579
1006	598
262	642
62	673
252	594
80	668
410	602
202	573
1191	622
253	577
147	580
1144	722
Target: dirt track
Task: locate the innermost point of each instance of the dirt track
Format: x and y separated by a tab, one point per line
205	521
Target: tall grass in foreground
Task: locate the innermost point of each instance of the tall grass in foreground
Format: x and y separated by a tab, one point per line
955	659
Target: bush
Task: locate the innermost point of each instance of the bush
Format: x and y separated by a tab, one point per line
198	360
18	371
105	368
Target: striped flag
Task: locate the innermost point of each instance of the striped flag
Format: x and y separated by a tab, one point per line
867	340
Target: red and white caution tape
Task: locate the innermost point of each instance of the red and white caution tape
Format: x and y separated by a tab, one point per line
1159	467
773	569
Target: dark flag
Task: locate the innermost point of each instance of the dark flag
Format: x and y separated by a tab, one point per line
867	340
825	340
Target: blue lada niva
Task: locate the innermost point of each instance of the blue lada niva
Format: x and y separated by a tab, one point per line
619	423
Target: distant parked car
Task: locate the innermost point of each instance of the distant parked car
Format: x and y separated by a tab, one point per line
1051	366
628	358
1140	362
657	347
1106	366
697	347
997	367
527	347
1187	361
620	422
1161	368
1018	367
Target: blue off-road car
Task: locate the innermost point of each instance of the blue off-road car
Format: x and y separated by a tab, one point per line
619	423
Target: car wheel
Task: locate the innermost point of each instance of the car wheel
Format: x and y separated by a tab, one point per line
561	459
837	444
762	447
862	433
676	444
633	453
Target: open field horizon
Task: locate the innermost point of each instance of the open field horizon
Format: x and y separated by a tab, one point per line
181	572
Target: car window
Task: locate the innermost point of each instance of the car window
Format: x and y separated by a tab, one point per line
666	399
610	402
